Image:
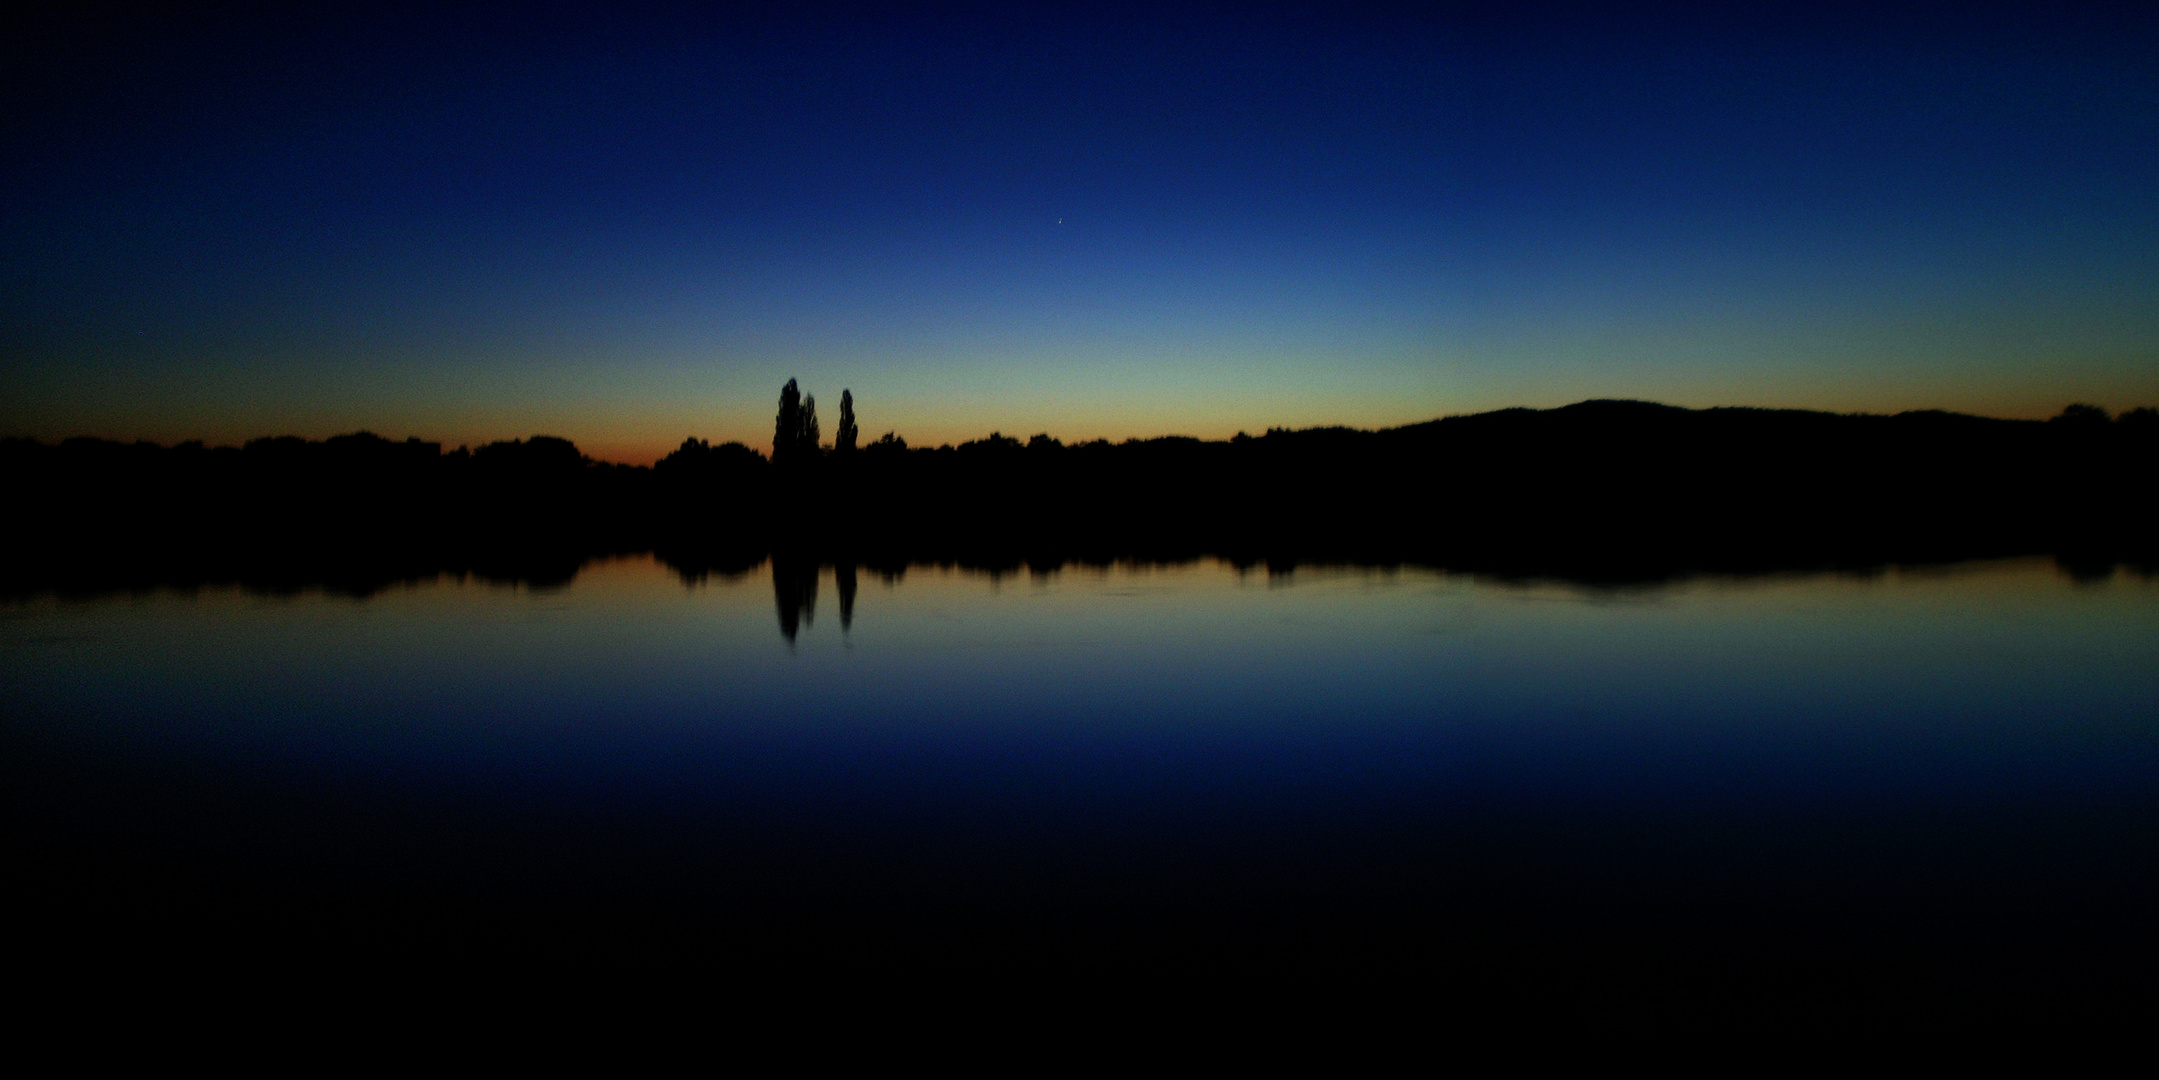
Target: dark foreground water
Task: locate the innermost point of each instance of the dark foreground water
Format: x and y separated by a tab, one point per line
1925	785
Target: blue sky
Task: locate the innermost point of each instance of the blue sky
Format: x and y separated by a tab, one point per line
626	229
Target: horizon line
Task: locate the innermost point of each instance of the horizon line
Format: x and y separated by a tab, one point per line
998	433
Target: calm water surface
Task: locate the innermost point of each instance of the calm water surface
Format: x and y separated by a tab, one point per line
1973	748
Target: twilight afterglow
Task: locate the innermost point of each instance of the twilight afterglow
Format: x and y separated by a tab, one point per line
626	230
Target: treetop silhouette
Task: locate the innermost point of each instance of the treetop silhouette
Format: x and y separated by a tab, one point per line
844	441
794	431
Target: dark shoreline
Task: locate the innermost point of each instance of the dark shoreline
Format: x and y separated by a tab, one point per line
1599	492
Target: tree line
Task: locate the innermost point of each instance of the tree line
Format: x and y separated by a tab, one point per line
1632	486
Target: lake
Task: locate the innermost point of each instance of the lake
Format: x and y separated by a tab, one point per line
1925	775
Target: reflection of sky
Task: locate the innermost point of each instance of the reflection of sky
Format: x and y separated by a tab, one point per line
1814	681
1127	729
633	232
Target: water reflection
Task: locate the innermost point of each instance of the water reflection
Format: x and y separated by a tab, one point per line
1844	757
796	578
845	574
361	574
794	591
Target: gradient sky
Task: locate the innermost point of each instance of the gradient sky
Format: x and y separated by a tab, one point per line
628	229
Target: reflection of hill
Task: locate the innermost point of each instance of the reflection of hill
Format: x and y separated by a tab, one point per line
795	574
1600	490
276	571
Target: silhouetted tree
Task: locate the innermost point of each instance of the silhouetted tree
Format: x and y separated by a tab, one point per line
787	426
844	440
701	467
2082	416
541	455
794	430
996	442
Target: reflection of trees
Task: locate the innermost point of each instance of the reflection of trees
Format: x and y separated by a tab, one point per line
794	592
845	573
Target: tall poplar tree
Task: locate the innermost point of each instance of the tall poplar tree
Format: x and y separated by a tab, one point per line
844	440
787	426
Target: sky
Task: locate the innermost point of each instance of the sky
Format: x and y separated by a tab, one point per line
626	227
